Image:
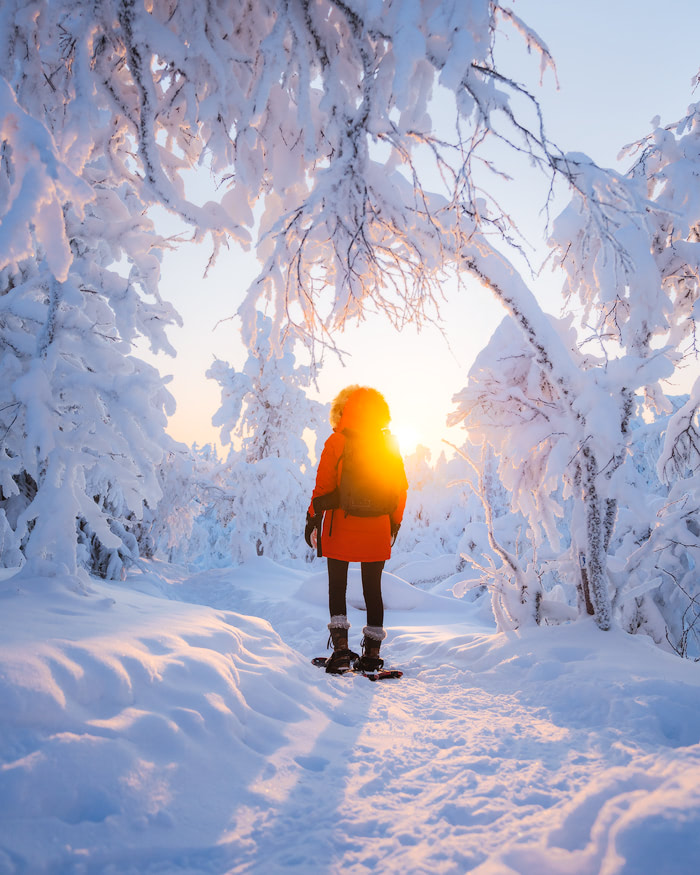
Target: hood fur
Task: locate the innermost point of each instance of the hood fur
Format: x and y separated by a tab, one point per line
365	410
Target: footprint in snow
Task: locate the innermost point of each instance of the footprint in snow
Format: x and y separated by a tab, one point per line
312	763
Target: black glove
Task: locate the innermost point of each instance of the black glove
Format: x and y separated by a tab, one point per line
394	531
312	522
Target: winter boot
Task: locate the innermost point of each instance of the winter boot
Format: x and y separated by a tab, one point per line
342	657
372	641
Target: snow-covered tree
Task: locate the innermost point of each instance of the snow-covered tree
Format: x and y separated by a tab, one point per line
318	113
630	248
81	419
440	504
265	405
660	533
674	549
512	411
509	407
267	417
191	524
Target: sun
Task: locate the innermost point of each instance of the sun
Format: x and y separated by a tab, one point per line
407	436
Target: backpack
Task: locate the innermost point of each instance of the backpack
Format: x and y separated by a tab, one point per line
371	474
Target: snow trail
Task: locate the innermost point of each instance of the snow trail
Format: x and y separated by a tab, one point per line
427	774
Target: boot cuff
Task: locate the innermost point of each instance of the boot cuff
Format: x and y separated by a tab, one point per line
339	621
376	633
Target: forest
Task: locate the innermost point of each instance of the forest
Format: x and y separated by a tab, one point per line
579	470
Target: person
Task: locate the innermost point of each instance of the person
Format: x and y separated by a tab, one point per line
359	417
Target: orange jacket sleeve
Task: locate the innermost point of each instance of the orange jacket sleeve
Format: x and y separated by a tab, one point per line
327	475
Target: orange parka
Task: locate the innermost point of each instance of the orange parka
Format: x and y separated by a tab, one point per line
352	538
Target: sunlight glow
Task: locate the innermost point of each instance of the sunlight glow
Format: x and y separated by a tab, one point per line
407	436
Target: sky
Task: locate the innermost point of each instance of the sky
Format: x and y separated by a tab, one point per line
619	64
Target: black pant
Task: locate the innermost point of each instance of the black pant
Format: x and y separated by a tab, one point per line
371	588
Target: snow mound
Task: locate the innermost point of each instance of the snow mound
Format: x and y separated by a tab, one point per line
397	593
425	571
111	707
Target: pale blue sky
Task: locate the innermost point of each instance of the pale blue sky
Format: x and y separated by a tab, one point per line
619	64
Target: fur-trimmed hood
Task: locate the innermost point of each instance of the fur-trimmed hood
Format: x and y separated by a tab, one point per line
364	410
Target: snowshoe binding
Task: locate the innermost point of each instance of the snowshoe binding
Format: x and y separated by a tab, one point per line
368	663
340	661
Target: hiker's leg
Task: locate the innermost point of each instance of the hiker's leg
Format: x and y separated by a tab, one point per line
337	587
372	591
373	633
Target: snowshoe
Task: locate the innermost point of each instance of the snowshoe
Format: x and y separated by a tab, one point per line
381	674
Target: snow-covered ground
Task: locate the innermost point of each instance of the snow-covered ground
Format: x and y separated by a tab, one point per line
173	724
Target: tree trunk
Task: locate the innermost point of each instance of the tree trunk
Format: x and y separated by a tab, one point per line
596	574
585	585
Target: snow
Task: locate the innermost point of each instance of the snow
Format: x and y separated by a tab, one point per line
173	723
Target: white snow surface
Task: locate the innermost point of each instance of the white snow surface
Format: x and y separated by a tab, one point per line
174	724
